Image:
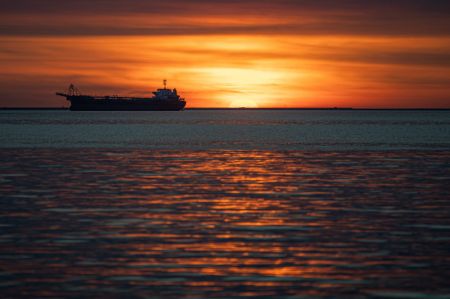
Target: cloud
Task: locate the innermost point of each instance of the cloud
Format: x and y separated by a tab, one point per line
346	52
307	17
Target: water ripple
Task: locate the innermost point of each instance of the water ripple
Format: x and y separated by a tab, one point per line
224	224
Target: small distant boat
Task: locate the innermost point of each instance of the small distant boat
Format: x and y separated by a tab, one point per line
163	99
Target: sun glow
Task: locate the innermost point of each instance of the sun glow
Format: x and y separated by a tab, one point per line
242	87
230	70
243	103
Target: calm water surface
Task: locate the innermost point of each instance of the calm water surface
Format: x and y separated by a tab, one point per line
225	129
212	204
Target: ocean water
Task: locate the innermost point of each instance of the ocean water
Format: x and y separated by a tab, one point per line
228	129
225	204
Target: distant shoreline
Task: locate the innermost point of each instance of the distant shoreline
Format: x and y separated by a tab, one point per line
211	108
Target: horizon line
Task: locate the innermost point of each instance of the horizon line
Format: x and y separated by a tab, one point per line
247	108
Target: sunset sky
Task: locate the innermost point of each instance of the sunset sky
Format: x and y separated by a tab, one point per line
229	53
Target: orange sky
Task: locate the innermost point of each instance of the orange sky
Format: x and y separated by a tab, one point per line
229	53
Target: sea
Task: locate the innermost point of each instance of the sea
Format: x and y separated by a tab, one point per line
200	204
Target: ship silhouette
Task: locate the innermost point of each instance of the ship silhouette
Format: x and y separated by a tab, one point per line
163	99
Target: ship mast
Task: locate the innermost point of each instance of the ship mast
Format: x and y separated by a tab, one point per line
73	91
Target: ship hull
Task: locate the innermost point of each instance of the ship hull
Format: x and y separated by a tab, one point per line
87	103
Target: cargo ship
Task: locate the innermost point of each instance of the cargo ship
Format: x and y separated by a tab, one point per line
163	99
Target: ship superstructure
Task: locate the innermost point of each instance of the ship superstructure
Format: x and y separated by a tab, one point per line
163	99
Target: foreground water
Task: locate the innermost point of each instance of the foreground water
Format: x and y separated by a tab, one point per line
242	221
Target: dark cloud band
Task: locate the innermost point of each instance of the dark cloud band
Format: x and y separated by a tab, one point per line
303	17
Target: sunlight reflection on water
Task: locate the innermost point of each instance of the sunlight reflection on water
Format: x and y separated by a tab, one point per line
223	224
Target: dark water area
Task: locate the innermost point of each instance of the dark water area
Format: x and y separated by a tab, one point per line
243	219
222	129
